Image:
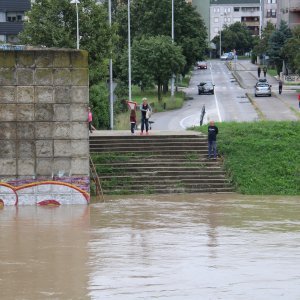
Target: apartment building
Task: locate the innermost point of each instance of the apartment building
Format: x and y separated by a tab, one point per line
226	12
289	11
12	13
269	11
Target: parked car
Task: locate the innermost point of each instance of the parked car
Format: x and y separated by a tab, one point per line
202	65
262	88
206	87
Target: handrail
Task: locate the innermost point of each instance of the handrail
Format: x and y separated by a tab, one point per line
96	180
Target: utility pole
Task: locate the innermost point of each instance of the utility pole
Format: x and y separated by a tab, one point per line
129	53
172	81
111	96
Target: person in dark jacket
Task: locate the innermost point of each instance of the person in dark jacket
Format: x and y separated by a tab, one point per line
212	139
258	71
146	110
280	86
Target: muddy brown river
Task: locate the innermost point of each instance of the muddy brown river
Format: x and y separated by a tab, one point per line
153	247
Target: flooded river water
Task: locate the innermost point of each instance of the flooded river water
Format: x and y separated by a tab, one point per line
153	247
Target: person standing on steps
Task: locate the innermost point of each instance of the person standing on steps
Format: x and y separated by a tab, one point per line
146	110
132	121
258	71
265	71
212	139
280	86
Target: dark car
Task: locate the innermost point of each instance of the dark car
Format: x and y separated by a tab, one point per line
262	88
202	65
206	87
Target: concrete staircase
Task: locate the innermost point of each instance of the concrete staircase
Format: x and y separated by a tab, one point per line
157	164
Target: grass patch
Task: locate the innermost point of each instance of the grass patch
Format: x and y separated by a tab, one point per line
167	103
272	72
262	158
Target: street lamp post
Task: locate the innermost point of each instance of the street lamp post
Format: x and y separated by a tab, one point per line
77	20
111	96
172	81
221	26
129	53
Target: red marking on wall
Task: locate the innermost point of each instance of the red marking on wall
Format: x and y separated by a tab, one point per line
49	203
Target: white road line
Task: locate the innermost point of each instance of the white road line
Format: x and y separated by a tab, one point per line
216	100
181	122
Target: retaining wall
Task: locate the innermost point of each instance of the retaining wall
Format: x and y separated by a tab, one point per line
44	139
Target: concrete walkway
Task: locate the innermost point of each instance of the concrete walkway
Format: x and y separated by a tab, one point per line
278	107
137	134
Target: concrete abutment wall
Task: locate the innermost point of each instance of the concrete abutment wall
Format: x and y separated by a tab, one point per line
44	140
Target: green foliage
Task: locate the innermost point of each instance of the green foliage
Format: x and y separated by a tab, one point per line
157	58
153	18
261	45
276	42
52	23
235	36
99	104
291	51
262	157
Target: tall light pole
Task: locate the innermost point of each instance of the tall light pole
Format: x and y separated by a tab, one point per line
221	26
111	96
172	81
77	20
129	54
260	18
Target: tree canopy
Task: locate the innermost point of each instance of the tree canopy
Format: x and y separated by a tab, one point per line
235	36
157	57
52	23
276	41
291	51
154	18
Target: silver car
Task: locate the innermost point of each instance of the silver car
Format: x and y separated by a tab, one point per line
262	89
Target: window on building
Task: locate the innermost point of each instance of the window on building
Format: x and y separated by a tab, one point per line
273	13
216	20
216	29
216	9
236	9
272	1
14	16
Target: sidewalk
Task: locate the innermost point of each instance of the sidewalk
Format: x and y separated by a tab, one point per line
277	107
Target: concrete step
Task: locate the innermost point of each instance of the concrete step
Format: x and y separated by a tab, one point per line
150	150
167	190
157	164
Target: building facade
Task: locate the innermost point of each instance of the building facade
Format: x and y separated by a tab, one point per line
289	11
12	14
227	12
269	12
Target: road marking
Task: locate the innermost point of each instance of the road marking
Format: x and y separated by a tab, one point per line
216	100
181	122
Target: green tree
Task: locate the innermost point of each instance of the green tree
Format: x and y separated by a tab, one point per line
261	45
156	58
291	51
235	36
52	23
276	42
154	18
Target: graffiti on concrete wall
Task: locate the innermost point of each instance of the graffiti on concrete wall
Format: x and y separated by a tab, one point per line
43	193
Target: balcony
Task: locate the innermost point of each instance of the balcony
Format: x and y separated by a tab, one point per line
251	23
294	5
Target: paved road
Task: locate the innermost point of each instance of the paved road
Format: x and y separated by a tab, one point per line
230	101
